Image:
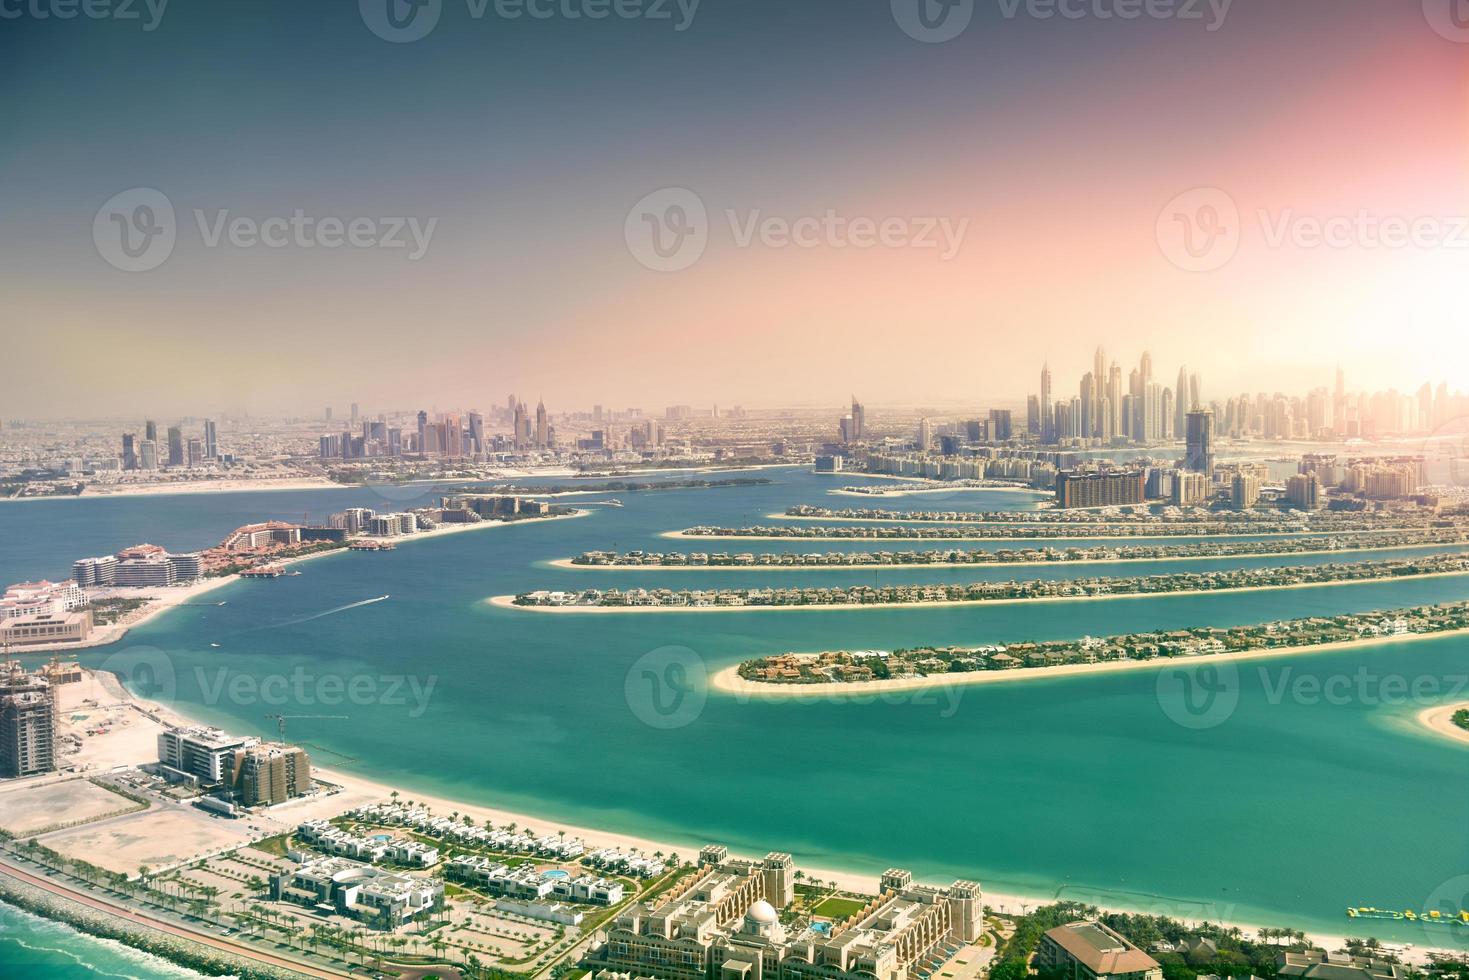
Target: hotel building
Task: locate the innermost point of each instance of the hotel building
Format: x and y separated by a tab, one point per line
1104	488
723	923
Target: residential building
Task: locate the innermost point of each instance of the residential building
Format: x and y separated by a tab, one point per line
27	723
1091	951
379	898
270	773
205	756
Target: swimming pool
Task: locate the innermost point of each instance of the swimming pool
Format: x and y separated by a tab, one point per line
555	873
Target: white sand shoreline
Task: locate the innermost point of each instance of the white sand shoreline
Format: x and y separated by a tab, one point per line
508	601
1440	721
569	563
728	681
941	522
357	790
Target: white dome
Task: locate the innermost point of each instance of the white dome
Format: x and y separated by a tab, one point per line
763	912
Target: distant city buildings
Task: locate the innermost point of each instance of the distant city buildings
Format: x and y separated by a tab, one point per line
1199	442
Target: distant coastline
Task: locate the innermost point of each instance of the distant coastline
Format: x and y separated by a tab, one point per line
729	681
508	601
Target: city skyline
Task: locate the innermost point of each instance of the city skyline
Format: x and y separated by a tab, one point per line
529	278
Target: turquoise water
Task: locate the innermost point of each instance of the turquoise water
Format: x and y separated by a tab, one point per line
31	946
1281	810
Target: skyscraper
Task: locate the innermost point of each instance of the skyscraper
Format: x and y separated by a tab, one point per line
211	440
150	430
543	426
859	420
1048	407
27	724
129	454
175	446
422	431
1199	444
1181	403
476	433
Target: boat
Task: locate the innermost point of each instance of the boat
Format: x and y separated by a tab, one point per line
214	644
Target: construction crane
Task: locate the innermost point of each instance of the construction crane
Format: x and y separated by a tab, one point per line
280	721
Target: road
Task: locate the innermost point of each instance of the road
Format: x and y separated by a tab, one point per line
164	926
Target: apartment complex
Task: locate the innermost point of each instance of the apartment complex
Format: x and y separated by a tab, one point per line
271	773
260	774
27	723
1099	488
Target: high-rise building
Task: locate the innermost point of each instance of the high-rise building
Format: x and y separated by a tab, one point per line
1199	442
27	723
925	434
1244	491
543	426
422	432
272	773
859	421
129	453
476	433
1181	404
1303	491
1048	407
1001	425
211	440
175	446
196	453
148	455
150	430
1104	488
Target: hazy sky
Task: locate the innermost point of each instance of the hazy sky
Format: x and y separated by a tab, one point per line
519	148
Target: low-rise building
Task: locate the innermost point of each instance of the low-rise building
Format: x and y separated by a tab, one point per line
1091	951
337	885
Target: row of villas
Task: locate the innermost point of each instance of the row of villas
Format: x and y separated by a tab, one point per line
1001	556
528	884
1269	577
324	836
626	862
866	665
424	821
1273	520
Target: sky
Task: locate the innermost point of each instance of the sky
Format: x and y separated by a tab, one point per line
732	201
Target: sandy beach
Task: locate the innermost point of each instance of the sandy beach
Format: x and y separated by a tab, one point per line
136	743
777	516
1440	721
569	563
728	680
910	491
508	601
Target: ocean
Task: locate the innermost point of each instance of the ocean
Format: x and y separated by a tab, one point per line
1274	792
